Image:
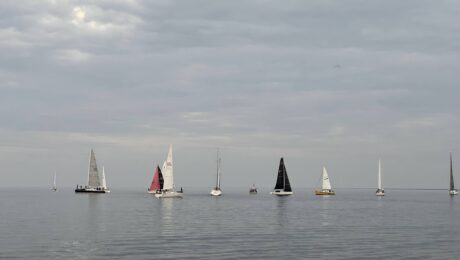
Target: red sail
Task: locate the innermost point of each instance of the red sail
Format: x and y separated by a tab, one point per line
156	181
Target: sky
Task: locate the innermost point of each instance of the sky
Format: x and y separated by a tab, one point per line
339	84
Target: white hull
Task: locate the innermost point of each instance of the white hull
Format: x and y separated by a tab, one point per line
216	193
168	194
282	193
379	193
453	192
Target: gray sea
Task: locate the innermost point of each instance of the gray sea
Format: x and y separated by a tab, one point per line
131	224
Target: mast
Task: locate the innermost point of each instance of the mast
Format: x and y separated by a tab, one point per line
451	174
218	170
93	174
54	182
379	184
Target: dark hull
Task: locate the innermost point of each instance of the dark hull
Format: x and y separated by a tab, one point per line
88	191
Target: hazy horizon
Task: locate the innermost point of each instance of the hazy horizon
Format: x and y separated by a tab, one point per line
320	83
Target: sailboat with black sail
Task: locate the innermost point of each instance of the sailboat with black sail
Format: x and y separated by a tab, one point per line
282	187
157	183
94	182
452	189
168	190
217	191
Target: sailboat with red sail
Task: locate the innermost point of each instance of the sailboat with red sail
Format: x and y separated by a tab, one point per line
157	183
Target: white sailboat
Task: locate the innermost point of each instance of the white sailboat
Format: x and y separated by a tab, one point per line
54	188
94	182
104	182
282	186
326	188
379	191
217	191
168	190
452	189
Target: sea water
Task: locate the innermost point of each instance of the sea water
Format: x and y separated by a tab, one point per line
131	224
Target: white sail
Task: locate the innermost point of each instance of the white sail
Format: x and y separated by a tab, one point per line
218	170
379	183
104	182
54	182
168	171
93	174
326	182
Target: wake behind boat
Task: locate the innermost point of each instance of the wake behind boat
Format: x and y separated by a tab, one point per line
326	188
217	191
379	191
94	183
282	187
168	190
452	189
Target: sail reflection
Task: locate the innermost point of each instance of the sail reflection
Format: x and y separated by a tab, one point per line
167	222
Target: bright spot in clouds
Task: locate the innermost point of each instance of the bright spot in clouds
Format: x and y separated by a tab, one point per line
79	13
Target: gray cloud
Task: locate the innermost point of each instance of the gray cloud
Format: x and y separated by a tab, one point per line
319	82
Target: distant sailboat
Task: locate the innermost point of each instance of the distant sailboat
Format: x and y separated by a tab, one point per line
380	191
253	189
217	191
282	187
168	190
326	188
94	183
104	182
157	183
54	188
452	190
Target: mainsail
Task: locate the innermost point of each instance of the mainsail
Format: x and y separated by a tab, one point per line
93	174
326	182
282	181
157	182
168	171
451	175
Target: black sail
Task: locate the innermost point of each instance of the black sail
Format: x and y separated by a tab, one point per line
280	179
287	185
160	177
451	175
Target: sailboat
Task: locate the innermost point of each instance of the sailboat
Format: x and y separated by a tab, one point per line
452	190
379	191
54	188
282	186
104	182
168	190
157	183
94	182
326	188
217	191
253	189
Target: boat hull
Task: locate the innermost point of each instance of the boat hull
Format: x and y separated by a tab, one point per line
90	191
324	192
253	192
216	193
379	194
281	193
453	192
168	194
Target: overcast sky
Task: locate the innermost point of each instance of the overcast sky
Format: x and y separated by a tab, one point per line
334	83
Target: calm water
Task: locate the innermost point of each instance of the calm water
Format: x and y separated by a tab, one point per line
40	224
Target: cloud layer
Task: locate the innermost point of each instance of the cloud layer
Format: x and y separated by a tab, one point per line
332	83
